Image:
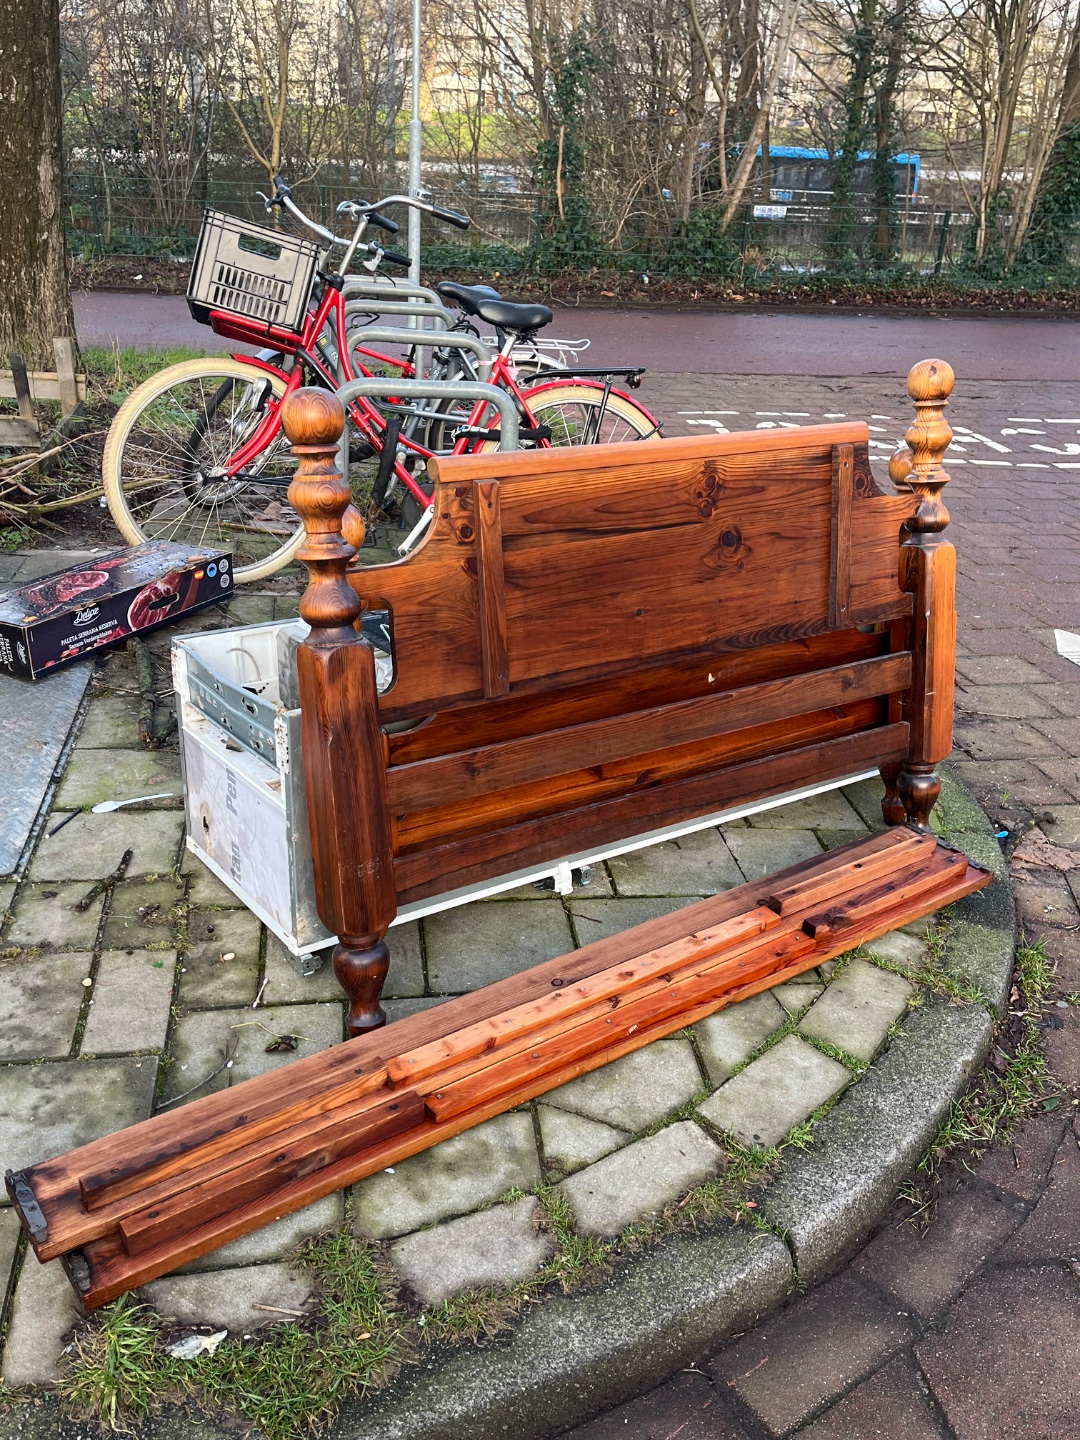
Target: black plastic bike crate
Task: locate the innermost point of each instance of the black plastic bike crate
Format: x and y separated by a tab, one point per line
251	271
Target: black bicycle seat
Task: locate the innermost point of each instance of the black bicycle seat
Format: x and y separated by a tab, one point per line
469	297
515	318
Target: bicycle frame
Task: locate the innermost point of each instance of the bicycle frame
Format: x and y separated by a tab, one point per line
365	415
331	310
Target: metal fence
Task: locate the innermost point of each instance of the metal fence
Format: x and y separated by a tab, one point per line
800	234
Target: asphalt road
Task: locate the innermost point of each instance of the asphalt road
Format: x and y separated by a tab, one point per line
752	342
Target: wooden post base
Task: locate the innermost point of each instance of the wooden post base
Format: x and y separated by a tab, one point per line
919	789
892	807
360	968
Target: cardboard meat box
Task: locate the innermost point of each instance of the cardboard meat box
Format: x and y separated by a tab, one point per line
61	618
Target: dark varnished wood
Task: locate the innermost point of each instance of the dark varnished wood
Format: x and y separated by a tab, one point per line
342	740
928	573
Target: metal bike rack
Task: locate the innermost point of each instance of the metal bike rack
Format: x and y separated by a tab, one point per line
430	389
436	313
355	285
428	340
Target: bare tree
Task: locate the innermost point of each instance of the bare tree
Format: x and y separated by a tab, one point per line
35	296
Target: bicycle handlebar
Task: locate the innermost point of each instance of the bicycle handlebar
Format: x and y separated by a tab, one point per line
452	217
370	212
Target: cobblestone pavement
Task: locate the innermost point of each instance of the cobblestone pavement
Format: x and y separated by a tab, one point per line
116	999
972	1330
969	1331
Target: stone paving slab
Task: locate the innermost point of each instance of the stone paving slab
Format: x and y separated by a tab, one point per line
639	1180
597	918
92	846
927	1272
200	1041
221	965
636	1091
889	1406
766	850
571	1141
473	945
43	1313
797	995
830	810
47	1109
93	776
1054	1228
40	1003
491	1248
111	723
775	1092
34	722
1006	1361
855	1013
229	1298
45	916
129	1008
727	1039
453	1178
696	864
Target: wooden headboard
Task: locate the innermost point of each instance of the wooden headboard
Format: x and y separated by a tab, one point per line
593	643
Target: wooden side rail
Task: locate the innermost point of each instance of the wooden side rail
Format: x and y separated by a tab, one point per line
129	1207
595	643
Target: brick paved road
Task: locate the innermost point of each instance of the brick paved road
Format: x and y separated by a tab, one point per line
973	1330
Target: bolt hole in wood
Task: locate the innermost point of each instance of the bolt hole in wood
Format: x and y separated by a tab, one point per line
832	654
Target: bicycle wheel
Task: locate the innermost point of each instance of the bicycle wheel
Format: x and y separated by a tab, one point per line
164	460
575	412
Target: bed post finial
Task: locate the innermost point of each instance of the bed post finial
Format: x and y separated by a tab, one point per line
348	805
313	421
929	384
928	571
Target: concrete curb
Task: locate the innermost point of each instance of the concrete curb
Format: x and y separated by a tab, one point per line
582	1353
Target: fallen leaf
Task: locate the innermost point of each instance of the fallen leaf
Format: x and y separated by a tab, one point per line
282	1043
1036	852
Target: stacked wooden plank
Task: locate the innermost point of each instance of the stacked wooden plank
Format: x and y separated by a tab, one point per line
134	1205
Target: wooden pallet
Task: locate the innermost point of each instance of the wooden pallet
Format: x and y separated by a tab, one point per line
132	1206
24	430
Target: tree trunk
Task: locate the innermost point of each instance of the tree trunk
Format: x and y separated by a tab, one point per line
35	296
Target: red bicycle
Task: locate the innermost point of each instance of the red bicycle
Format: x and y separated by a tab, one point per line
197	452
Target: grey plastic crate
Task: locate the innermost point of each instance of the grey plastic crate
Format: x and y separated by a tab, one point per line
251	271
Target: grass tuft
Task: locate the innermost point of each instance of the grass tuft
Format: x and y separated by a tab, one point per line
1001	1097
288	1383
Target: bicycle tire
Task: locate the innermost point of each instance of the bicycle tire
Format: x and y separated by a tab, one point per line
567	406
156	494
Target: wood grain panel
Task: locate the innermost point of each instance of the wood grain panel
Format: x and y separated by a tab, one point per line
492	587
843	491
515	846
533	801
478	771
533	710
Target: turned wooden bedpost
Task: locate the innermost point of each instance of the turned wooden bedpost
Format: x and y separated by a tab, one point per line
928	571
348	806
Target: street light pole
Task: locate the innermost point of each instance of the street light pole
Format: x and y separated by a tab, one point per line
415	138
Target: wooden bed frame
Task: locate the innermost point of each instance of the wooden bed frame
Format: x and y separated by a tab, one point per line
596	643
589	644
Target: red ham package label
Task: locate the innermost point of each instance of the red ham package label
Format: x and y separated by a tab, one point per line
64	617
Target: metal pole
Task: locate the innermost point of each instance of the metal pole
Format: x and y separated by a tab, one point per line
415	138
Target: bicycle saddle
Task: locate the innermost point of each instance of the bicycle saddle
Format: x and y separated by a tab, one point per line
467	296
516	318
